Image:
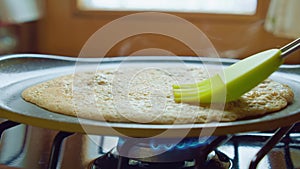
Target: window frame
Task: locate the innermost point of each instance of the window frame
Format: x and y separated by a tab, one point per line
260	13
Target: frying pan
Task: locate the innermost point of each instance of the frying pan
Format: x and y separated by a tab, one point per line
18	72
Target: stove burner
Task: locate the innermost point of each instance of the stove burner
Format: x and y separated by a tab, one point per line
216	160
187	153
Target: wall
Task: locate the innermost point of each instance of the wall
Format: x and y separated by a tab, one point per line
64	30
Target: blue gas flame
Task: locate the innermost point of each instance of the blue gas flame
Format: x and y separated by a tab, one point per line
182	145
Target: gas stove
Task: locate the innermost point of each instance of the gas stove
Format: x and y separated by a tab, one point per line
187	153
271	149
111	160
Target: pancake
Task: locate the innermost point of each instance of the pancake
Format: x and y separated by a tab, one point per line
138	95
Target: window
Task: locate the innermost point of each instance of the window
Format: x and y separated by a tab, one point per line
238	7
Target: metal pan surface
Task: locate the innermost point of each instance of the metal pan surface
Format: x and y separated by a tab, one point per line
18	72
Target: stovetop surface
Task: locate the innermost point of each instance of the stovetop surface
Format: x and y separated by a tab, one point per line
240	149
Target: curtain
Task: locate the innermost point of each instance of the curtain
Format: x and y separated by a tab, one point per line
19	11
283	18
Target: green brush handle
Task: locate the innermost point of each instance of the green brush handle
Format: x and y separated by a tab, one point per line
236	79
248	73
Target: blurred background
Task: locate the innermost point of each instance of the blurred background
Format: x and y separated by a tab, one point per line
236	28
